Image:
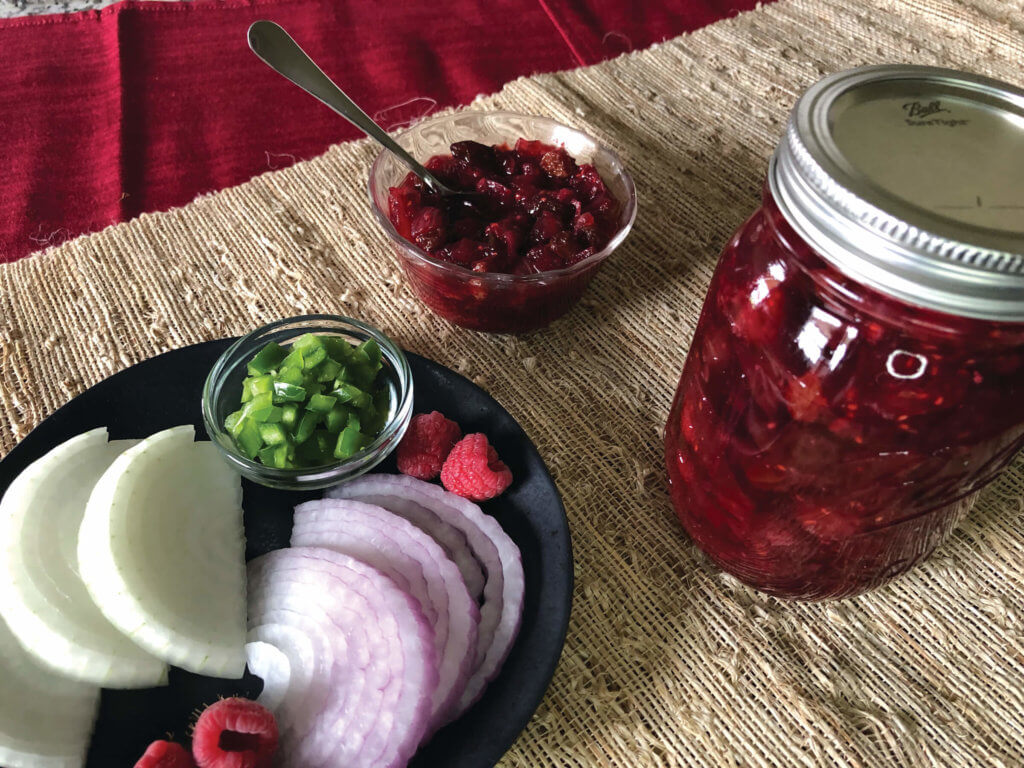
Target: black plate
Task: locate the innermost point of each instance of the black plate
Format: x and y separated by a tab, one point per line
166	391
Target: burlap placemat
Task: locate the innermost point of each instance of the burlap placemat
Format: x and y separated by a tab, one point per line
668	662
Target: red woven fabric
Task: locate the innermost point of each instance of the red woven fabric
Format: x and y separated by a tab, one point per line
143	105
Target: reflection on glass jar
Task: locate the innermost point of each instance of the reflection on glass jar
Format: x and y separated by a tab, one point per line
832	425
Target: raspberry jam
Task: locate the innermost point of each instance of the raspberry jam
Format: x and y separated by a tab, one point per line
838	410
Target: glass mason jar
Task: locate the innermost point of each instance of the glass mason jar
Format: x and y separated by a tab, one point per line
857	373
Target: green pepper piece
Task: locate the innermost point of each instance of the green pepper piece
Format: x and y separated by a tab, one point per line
350	440
288	393
360	356
353	422
381	410
293	359
360	372
267	456
311	358
274	416
267	358
272	434
257	385
306	425
276	456
344	376
246	392
260	407
321	403
337	419
350	393
328	370
248	439
310	384
290	375
338	348
232	422
373	354
289	414
307	341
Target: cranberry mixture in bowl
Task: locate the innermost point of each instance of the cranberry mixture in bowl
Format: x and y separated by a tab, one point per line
546	206
534	210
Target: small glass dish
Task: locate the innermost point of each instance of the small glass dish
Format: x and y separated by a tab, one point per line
493	301
223	389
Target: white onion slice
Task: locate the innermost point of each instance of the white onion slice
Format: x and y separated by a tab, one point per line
502	606
46	720
418	565
42	597
162	552
452	540
373	706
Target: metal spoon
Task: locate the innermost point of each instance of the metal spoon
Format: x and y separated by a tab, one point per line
278	51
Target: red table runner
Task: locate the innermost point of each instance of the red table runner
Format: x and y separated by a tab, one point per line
143	105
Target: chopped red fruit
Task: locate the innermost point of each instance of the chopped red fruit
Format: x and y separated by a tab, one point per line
473	469
547	226
426	445
497	194
464	252
428	230
235	733
165	754
557	164
403	203
475	154
442	166
538	186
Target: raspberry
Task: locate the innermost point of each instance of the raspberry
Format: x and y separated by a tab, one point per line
474	470
235	733
426	445
165	754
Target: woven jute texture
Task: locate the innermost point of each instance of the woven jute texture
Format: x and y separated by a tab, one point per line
668	662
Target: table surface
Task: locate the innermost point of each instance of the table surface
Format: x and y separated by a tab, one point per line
668	662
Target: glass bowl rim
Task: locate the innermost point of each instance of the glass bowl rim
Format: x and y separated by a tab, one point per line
504	277
248	467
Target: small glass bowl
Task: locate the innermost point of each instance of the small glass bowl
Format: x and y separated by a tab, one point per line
492	301
223	390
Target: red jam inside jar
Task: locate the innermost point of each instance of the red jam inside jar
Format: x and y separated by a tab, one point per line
826	435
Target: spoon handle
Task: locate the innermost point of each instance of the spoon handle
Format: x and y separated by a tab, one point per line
283	55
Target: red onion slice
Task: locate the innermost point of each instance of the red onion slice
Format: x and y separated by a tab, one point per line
311	649
383	669
450	537
418	565
306	717
502	606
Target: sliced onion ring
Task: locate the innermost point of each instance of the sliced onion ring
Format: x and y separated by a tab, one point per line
383	649
502	606
418	565
450	537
